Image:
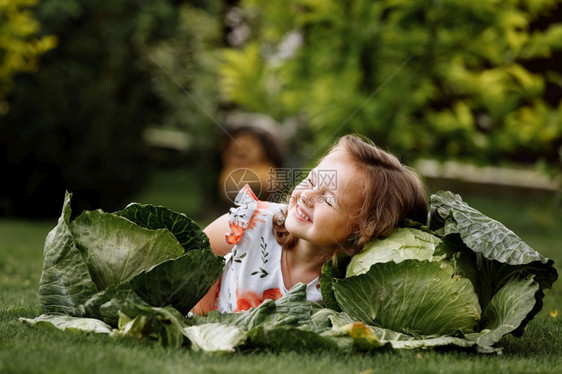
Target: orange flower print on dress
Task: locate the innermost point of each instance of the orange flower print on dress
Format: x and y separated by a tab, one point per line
248	299
235	234
272	293
241	223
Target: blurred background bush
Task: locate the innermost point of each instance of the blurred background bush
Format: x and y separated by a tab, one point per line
100	97
478	80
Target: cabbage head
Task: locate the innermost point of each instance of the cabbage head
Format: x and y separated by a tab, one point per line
465	276
148	253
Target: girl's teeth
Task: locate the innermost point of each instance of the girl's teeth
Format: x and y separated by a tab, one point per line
300	212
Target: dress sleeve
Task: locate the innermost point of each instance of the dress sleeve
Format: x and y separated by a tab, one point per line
241	216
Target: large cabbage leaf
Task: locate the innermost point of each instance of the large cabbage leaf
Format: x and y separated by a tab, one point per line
215	337
65	284
186	231
403	244
451	215
139	320
506	311
181	282
116	250
418	297
496	253
399	340
64	322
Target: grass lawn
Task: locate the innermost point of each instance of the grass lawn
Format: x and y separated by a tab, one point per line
25	349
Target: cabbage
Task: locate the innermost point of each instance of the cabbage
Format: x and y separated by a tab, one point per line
469	277
403	244
93	264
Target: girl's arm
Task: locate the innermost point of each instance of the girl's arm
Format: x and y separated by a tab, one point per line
216	232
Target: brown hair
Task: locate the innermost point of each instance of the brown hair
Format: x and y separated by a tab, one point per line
393	192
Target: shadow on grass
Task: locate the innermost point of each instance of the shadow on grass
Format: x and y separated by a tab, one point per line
542	336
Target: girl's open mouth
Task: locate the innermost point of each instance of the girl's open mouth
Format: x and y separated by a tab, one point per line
302	214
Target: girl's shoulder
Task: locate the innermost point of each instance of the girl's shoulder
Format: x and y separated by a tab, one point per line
250	214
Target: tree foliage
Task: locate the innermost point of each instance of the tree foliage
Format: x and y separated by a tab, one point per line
183	72
19	48
477	80
77	124
183	75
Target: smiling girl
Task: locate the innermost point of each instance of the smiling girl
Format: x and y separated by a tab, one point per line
356	193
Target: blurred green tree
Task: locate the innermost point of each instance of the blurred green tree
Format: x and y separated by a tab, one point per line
183	71
78	123
475	80
19	48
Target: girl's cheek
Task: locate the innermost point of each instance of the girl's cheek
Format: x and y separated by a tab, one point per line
292	200
294	197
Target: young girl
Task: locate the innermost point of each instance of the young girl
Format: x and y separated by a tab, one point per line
357	193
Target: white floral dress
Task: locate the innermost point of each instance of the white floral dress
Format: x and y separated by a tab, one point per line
252	272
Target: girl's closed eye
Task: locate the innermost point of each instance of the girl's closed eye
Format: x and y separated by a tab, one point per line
312	177
309	180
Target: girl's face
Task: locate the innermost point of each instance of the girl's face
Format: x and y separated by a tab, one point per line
321	205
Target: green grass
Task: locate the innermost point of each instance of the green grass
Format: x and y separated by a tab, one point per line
41	349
